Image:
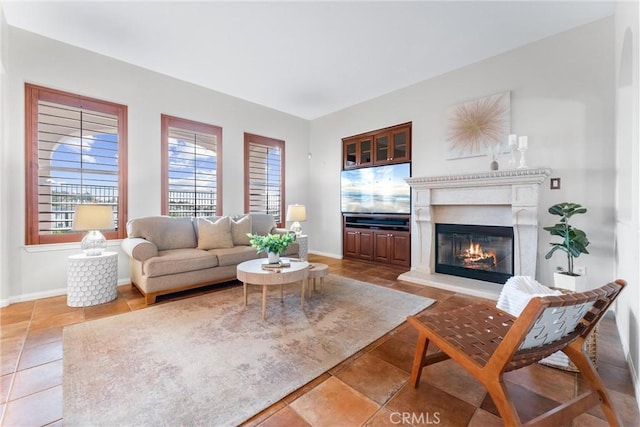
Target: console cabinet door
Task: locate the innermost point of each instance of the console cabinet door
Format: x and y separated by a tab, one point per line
366	244
382	248
392	247
358	243
351	243
400	243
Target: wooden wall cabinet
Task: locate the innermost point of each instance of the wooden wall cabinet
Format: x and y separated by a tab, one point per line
384	239
380	147
380	238
357	152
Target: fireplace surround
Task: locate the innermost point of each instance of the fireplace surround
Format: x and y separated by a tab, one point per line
502	198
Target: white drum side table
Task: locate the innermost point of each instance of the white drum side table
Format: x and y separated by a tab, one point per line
92	280
303	242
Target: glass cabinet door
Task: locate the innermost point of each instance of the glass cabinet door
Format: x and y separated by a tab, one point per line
400	145
365	152
350	154
382	148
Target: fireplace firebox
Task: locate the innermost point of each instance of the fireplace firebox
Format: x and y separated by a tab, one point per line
475	251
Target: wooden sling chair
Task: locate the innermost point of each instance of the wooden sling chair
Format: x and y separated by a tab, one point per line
488	342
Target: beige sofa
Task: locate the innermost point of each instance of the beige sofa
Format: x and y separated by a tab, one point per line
170	254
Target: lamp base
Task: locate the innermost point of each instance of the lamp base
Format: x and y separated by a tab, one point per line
93	243
296	228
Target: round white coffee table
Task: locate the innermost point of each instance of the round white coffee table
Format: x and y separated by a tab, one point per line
252	273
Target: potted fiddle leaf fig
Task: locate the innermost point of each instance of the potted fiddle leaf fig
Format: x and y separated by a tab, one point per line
573	243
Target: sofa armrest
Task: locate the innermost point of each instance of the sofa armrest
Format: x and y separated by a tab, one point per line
138	248
281	231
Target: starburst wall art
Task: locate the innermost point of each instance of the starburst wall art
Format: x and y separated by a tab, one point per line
479	127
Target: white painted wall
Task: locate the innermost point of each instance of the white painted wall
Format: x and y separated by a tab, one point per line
37	271
561	98
4	133
627	51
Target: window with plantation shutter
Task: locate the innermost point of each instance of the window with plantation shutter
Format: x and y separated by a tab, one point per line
264	176
76	153
191	164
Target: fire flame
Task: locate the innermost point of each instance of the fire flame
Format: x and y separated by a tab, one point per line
475	253
475	249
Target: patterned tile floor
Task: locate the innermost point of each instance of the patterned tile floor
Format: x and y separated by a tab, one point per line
370	388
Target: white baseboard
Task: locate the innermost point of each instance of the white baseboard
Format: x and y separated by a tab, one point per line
4	302
32	296
327	254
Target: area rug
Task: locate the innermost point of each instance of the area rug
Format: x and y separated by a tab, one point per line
209	360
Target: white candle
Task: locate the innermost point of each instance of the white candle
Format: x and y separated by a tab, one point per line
513	139
522	142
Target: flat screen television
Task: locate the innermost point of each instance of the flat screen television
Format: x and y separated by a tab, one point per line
376	190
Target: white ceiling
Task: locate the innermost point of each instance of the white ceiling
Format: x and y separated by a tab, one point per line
305	58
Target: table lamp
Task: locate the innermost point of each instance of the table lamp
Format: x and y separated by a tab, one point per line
93	218
296	213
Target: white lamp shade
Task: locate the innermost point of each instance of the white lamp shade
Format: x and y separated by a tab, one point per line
93	217
296	213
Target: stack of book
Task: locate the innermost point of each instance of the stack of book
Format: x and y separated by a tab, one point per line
275	265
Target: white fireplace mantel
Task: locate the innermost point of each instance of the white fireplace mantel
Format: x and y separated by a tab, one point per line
503	198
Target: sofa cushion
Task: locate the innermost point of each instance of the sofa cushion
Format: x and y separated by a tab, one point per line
240	227
175	261
262	224
195	219
292	249
235	255
164	231
214	235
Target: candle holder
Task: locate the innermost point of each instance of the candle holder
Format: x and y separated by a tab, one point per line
523	162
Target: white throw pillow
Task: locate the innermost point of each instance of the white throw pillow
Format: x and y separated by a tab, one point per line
214	235
239	229
518	291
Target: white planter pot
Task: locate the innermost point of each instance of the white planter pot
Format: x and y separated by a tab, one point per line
572	283
273	257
